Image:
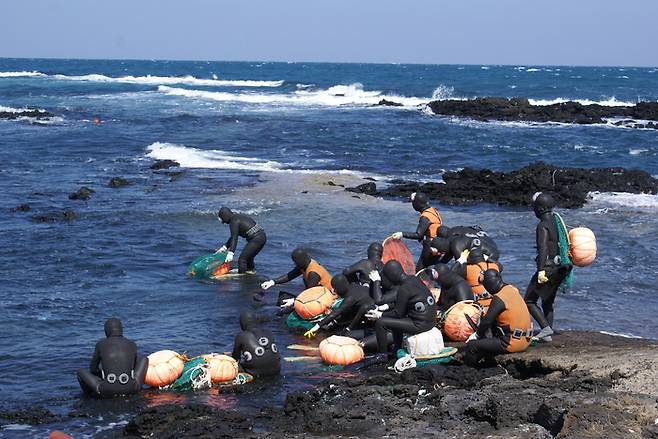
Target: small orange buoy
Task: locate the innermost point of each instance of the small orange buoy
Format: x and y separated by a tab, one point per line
222	367
338	350
314	302
221	270
582	246
97	120
164	368
456	325
56	434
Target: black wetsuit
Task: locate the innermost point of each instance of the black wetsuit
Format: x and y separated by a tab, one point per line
383	294
245	227
356	303
454	288
115	368
426	258
548	259
414	312
358	272
475	350
467	240
256	351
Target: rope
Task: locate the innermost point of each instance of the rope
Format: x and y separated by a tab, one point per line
405	363
203	379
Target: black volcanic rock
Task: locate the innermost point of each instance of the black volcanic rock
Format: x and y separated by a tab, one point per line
387	103
117	182
520	109
84	193
64	215
569	186
33	113
164	164
25	207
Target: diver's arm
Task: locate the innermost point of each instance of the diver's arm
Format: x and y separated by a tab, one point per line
459	269
401	305
421	230
357	267
237	347
292	274
542	247
497	306
95	362
313	280
235	230
330	320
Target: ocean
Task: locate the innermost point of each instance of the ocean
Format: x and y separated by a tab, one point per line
265	139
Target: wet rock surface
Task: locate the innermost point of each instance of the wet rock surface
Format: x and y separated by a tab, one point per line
25	207
117	182
569	186
164	164
32	416
583	385
520	109
56	216
33	113
84	193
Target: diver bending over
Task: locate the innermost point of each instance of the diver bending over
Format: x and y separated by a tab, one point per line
313	273
359	271
451	243
245	227
472	269
115	368
254	348
454	288
508	318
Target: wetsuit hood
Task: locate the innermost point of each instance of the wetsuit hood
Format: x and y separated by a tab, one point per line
475	256
113	327
375	251
225	214
440	272
443	232
248	320
393	272
419	201
300	258
492	281
542	203
340	284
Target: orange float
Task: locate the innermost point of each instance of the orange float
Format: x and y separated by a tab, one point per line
456	325
222	367
582	246
164	368
56	434
338	350
314	302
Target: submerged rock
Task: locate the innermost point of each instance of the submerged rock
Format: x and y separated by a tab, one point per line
520	109
64	215
569	186
84	193
25	207
31	416
117	182
164	164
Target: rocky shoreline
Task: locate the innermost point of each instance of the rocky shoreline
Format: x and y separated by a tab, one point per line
583	385
28	112
520	109
569	186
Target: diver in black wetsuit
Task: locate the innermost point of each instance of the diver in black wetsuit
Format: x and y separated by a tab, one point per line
356	303
359	271
242	226
414	311
313	273
255	349
454	288
115	368
428	225
463	238
550	270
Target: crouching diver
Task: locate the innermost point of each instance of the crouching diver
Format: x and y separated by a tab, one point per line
254	348
245	227
550	269
313	273
508	318
414	310
359	271
451	243
115	368
356	303
454	288
472	269
428	226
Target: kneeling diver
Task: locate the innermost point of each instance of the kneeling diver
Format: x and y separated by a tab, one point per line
359	271
115	368
254	348
313	273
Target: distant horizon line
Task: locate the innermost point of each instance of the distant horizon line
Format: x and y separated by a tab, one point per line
327	62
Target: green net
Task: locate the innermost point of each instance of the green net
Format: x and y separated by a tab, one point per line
420	363
563	244
294	321
191	371
205	266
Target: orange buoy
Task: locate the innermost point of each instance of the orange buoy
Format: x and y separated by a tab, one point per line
56	434
164	368
338	350
582	246
222	367
456	325
314	302
222	269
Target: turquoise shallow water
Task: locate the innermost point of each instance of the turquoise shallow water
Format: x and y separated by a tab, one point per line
254	136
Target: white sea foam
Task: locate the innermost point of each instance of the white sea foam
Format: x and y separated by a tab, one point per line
611	102
532	70
338	95
171	80
19	110
625	200
637	151
20	74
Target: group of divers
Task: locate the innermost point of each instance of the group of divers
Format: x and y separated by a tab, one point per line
381	303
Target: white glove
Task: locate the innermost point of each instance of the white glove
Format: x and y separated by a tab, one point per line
435	251
473	336
285	303
396	235
374	276
412	196
222	250
267	284
229	257
373	314
383	307
463	257
434	274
